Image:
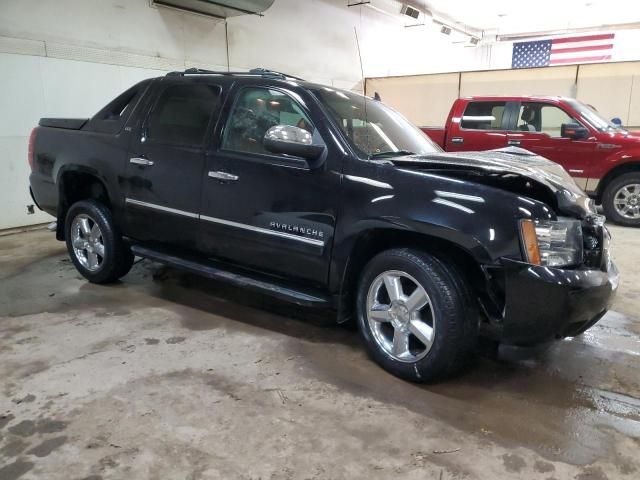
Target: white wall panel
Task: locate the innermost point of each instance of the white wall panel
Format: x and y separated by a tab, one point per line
311	39
77	89
14	185
35	87
21	94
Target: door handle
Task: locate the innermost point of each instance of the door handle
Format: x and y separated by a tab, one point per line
145	162
513	142
227	177
458	140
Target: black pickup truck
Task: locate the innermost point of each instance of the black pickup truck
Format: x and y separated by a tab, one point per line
327	198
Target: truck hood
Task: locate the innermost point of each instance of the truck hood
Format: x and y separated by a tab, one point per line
507	163
624	138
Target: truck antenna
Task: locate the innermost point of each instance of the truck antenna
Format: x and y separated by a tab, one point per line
364	92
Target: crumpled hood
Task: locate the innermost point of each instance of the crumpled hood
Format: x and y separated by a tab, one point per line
571	199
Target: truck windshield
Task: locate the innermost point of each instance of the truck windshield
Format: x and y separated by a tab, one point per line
592	117
373	129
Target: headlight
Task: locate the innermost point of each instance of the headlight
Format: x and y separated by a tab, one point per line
552	243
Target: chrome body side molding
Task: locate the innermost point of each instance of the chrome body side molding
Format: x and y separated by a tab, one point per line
265	231
138	203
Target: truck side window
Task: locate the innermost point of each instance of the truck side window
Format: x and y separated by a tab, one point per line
117	108
112	117
483	116
257	110
182	113
543	118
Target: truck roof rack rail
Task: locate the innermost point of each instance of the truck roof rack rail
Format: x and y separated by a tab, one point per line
255	72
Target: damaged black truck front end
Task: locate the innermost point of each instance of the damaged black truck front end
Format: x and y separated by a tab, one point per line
544	251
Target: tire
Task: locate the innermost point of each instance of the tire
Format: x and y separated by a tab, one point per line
614	194
449	310
94	243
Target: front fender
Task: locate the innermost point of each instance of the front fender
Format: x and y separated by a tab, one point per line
480	219
623	157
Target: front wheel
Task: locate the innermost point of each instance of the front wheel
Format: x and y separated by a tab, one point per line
621	200
416	315
95	246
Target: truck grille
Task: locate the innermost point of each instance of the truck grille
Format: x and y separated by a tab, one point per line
595	243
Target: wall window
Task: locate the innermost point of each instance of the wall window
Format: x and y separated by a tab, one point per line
182	114
543	118
257	110
483	116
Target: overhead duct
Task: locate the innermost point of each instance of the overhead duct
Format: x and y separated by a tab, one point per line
217	8
392	8
409	11
445	22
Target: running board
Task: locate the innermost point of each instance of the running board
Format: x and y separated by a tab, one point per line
220	272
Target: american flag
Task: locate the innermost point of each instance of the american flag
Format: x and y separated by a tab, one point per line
563	50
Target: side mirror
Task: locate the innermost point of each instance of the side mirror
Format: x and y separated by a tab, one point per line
290	140
573	131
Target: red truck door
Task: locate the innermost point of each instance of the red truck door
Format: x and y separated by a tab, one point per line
537	128
482	126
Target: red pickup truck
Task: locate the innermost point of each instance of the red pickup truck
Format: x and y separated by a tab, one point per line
603	158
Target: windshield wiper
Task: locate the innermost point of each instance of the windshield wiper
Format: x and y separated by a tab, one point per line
399	153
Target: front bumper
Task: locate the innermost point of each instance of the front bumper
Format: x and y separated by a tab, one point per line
543	303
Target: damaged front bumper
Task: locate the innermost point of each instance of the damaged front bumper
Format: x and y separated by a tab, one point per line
543	303
539	303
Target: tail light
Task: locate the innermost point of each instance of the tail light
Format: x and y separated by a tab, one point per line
32	141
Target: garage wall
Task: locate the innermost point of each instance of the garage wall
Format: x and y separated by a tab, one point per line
530	81
423	99
112	31
70	58
314	40
613	88
33	87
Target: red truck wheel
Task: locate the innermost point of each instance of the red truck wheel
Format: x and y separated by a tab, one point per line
621	200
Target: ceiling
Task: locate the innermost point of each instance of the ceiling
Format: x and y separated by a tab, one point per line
513	17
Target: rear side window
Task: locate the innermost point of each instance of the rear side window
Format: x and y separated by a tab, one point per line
117	109
483	116
182	114
112	118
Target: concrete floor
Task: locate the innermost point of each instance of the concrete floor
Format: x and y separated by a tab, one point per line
167	375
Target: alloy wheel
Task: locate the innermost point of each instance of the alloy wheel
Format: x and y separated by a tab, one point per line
626	201
88	245
400	316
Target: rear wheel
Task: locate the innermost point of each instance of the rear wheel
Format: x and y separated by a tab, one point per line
94	244
416	315
621	200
